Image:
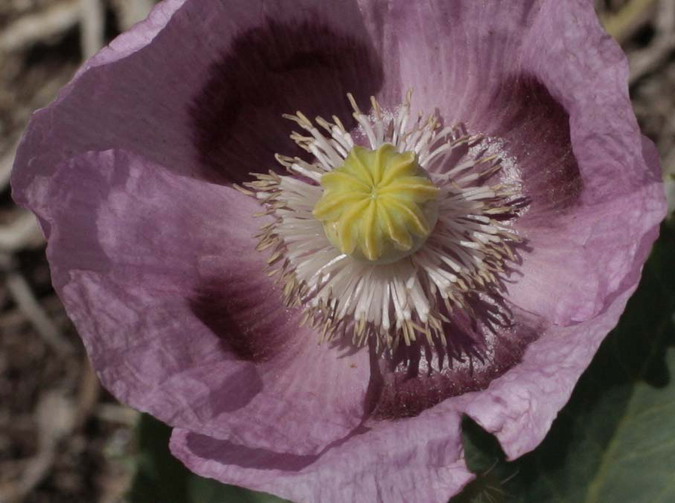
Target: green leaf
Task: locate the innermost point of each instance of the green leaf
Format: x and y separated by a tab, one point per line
209	491
161	477
615	440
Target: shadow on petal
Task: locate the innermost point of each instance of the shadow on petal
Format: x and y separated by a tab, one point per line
536	131
228	453
416	379
221	309
269	71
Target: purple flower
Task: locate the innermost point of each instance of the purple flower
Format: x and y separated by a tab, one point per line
317	330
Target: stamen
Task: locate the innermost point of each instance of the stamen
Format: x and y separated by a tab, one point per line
389	241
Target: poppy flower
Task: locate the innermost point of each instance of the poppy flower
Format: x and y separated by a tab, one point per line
312	236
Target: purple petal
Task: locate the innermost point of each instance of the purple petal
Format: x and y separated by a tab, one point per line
579	265
178	313
403	391
546	79
520	406
417	458
506	69
585	254
138	37
396	462
200	87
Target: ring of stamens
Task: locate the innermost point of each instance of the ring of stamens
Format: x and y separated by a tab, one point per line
412	296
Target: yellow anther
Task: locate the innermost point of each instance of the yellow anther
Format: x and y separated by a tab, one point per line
379	206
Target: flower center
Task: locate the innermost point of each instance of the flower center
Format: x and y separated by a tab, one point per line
379	206
403	242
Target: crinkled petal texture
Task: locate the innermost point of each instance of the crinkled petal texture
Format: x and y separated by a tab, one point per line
179	315
153	252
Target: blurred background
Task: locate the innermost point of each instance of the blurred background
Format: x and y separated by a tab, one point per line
62	437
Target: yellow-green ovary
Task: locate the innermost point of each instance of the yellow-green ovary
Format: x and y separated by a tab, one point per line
379	206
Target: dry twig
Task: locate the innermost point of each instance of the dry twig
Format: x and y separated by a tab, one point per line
131	12
625	23
56	420
41	26
22	294
21	234
6	162
649	59
93	18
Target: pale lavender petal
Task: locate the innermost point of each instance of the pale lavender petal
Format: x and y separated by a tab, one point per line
395	462
200	87
566	127
404	391
621	198
546	79
137	38
161	277
520	407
